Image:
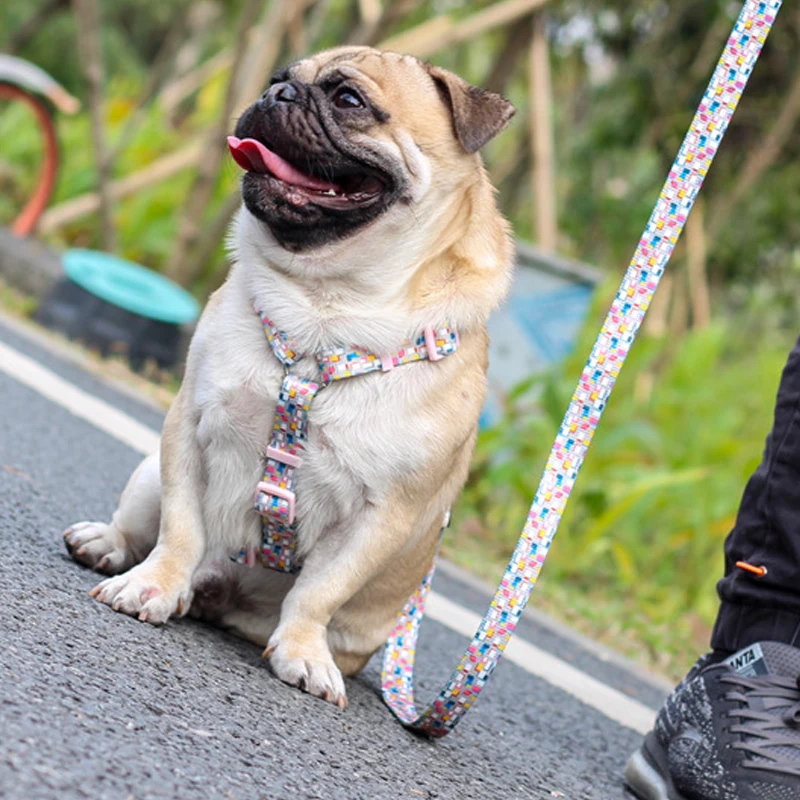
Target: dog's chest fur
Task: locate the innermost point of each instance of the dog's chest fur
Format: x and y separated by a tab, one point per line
365	433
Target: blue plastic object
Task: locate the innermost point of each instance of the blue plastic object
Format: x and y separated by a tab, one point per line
130	286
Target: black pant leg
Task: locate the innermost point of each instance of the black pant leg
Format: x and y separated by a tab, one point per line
767	533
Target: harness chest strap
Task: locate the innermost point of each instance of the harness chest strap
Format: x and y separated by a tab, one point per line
275	498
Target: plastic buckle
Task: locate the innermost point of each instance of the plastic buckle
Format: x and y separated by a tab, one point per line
283	494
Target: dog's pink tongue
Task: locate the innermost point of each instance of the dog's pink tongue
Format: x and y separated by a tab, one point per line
253	156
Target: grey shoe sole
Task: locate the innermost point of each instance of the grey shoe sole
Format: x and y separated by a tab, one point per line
647	773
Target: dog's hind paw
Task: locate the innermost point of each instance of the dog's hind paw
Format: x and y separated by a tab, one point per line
99	546
307	664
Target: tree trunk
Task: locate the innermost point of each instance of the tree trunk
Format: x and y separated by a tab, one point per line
374	31
200	194
90	50
262	53
542	146
516	42
370	11
156	77
656	321
679	313
697	271
442	32
761	158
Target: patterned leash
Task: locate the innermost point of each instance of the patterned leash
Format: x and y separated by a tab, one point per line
587	404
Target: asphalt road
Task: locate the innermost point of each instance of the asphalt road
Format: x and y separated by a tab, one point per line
94	704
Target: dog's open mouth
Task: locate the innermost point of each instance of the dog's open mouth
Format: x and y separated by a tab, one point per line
343	190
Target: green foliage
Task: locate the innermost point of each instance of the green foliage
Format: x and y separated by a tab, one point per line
640	547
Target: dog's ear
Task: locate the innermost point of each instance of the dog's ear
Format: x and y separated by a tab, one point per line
478	115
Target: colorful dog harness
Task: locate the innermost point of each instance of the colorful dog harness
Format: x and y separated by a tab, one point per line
275	499
588	402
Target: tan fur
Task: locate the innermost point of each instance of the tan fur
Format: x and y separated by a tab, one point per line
387	453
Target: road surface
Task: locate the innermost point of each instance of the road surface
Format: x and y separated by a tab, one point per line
94	704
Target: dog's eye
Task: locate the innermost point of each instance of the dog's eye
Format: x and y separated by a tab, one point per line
347	98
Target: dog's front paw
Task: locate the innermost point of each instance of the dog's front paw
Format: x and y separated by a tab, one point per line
99	546
306	662
150	591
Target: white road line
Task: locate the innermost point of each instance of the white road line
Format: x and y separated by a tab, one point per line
614	704
86	406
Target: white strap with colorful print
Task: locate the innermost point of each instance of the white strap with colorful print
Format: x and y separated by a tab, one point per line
275	497
587	404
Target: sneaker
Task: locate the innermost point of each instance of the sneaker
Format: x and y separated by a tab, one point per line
729	731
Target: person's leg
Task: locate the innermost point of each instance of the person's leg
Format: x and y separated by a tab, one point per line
767	534
727	732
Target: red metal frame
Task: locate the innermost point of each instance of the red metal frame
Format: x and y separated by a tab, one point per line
26	221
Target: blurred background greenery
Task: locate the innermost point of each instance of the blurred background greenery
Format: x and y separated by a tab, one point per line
641	545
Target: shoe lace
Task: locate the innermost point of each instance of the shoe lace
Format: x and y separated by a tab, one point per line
770	732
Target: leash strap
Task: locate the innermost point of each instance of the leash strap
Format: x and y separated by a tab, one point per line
587	404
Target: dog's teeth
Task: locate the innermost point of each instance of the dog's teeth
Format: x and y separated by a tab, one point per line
331	192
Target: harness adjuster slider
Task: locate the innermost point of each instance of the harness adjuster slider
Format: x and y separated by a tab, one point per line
283	494
430	345
289	459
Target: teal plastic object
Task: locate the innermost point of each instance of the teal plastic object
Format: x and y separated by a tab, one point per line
130	286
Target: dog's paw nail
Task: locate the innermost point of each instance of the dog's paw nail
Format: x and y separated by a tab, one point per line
341	701
269	651
180	607
143	616
94	592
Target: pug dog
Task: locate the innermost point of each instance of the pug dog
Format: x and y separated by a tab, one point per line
367	219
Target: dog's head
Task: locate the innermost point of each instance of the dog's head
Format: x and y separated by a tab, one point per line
354	135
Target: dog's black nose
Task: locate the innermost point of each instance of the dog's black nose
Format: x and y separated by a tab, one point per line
279	93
